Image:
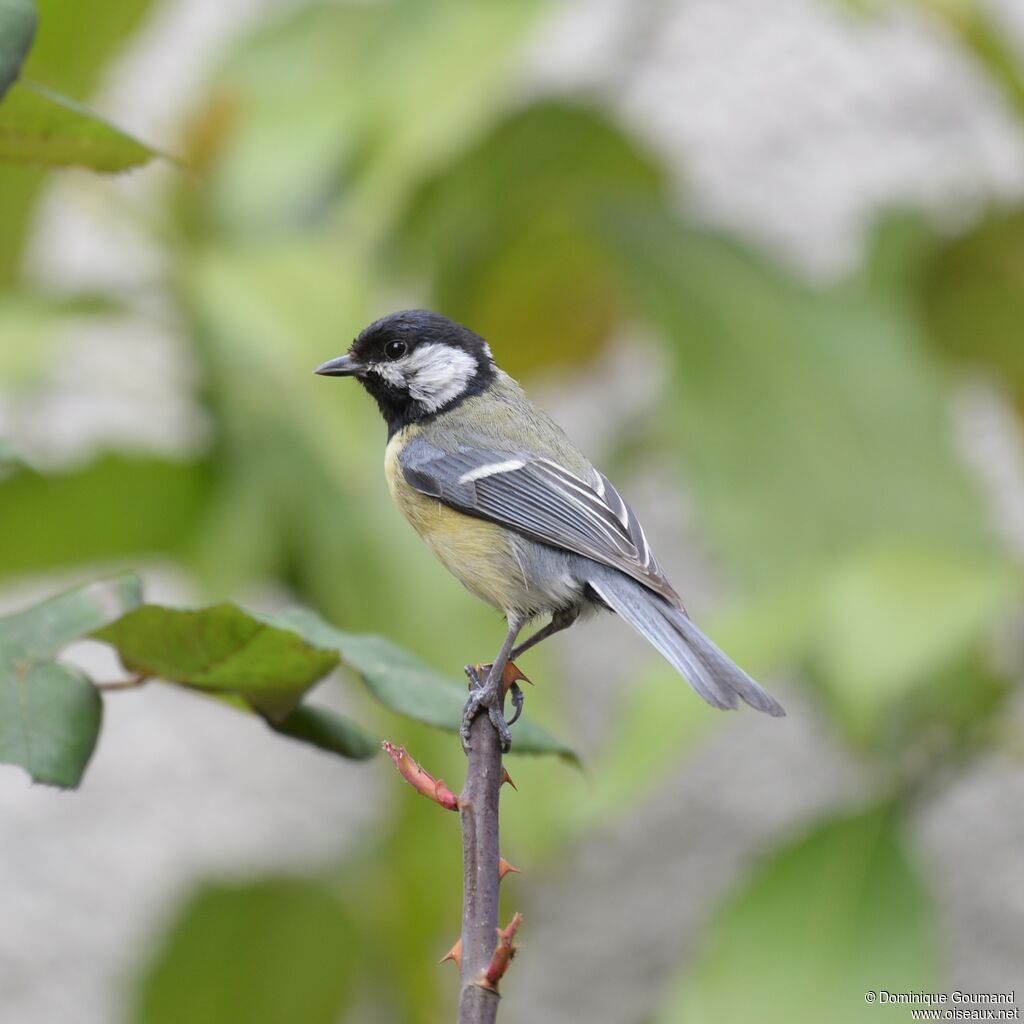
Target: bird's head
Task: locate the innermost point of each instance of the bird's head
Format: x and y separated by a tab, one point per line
415	364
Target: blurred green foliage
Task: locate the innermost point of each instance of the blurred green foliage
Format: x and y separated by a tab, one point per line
836	914
972	293
260	952
38	126
509	235
348	158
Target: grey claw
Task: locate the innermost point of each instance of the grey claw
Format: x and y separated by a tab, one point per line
501	727
469	713
518	698
471	709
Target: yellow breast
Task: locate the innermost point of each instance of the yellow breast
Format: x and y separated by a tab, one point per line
476	552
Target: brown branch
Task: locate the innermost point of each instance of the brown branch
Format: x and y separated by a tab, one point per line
478	810
481	962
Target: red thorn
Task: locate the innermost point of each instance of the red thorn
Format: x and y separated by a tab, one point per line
512	675
505	777
455	953
503	954
420	779
504	868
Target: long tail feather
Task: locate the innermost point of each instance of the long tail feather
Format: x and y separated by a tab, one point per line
715	676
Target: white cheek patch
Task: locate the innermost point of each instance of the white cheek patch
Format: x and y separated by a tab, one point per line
432	374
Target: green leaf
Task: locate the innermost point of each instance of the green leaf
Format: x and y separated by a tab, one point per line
17	30
388	91
69	54
329	731
973	292
42	630
50	714
49	720
811	422
826	919
115	507
509	235
892	617
273	951
408	687
222	649
40	127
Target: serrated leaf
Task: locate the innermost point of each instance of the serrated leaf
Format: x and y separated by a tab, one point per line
222	649
17	30
836	914
43	128
273	951
329	731
408	687
49	720
42	630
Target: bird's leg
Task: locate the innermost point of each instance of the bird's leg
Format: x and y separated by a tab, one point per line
560	620
489	693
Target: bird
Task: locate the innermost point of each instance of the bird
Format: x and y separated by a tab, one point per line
513	509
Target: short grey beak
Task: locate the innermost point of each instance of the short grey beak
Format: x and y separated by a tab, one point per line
343	366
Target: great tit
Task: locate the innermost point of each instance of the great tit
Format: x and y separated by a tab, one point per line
514	510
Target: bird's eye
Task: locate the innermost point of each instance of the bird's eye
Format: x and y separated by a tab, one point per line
395	349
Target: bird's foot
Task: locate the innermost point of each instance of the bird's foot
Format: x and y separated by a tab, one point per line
488	691
485	692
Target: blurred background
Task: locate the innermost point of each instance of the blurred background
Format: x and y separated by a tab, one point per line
766	262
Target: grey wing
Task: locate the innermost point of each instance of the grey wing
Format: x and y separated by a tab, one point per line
540	499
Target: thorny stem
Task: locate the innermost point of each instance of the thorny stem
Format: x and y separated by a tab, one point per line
478	810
